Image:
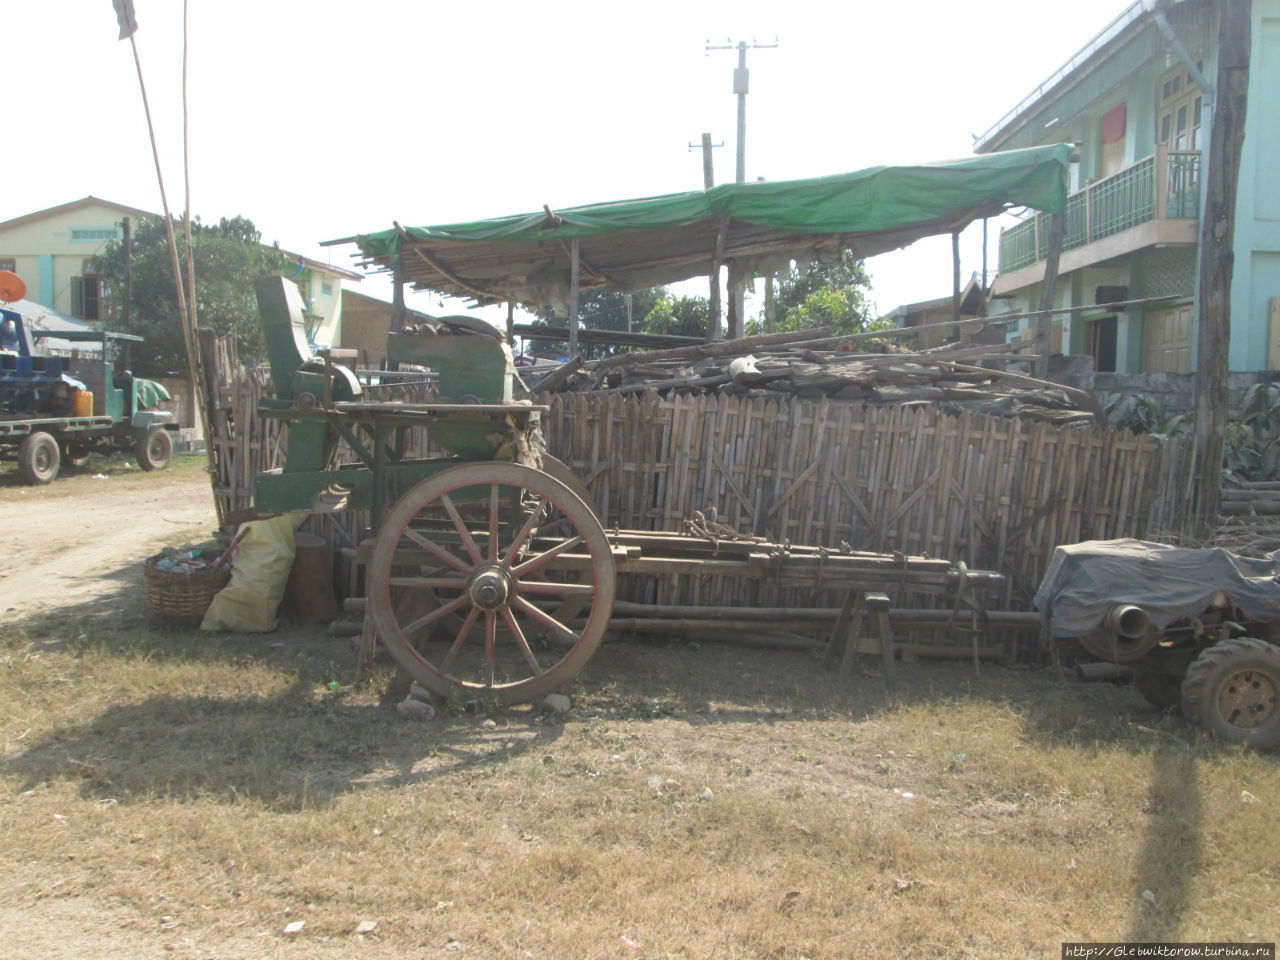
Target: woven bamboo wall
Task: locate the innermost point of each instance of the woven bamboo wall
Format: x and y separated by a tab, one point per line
996	493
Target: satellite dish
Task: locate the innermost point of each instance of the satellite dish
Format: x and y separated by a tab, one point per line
11	287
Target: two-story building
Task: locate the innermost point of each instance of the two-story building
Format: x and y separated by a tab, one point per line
53	252
1138	100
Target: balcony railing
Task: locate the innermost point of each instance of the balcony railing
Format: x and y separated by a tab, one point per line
1165	185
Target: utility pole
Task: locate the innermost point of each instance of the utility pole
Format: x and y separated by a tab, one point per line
741	85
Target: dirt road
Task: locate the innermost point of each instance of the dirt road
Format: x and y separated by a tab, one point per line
76	539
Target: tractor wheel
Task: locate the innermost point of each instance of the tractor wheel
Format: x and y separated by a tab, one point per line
38	458
155	452
1231	689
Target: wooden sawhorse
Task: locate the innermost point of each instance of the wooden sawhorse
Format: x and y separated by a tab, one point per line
862	627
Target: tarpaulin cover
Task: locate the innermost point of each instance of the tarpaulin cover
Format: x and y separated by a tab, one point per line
883	198
1085	580
150	393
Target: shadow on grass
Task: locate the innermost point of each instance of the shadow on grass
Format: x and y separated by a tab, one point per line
307	745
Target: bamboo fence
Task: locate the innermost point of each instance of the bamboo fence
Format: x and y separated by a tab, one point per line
992	492
995	493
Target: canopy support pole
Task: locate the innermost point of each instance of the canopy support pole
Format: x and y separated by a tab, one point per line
574	277
955	276
716	259
397	295
1057	231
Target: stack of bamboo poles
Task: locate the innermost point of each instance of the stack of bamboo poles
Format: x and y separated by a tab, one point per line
996	493
241	443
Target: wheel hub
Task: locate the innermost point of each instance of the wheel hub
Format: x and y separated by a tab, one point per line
1247	698
490	588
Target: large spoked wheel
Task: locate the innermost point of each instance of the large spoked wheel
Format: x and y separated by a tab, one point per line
508	549
1231	690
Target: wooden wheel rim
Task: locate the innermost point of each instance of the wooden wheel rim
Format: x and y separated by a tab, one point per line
484	557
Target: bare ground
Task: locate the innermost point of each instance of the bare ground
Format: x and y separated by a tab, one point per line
67	540
168	795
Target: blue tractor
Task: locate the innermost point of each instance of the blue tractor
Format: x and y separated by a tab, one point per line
58	410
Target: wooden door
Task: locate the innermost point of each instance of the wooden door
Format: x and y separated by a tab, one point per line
1166	339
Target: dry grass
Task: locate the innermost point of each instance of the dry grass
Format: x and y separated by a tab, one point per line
73	483
201	793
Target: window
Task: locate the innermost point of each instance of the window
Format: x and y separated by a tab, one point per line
93	234
1178	110
9	263
326	288
87	293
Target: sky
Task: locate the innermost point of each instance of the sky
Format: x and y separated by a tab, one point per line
326	118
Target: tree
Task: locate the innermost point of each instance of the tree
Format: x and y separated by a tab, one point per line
680	316
229	256
823	294
599	309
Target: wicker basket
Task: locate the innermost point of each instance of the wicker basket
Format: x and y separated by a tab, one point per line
181	599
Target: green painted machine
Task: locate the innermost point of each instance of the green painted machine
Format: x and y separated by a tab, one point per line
486	572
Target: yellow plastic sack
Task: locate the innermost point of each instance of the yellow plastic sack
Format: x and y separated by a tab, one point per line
259	571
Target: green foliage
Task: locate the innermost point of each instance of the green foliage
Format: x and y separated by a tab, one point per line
679	316
229	256
598	309
821	294
1251	445
1139	413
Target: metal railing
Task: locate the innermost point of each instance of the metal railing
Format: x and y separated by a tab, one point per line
1163	186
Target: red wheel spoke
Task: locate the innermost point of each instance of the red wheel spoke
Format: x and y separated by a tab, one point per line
509	619
542	559
493	523
525	533
439	613
546	587
548	621
460	639
468	543
437	551
430	583
490	645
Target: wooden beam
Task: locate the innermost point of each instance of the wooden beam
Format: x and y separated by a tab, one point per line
594	271
448	274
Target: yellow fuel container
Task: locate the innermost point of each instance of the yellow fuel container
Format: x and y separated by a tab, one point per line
82	403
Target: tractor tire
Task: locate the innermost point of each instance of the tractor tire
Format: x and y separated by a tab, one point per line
1231	690
154	452
38	458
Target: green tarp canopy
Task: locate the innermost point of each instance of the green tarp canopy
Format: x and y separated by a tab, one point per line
750	227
